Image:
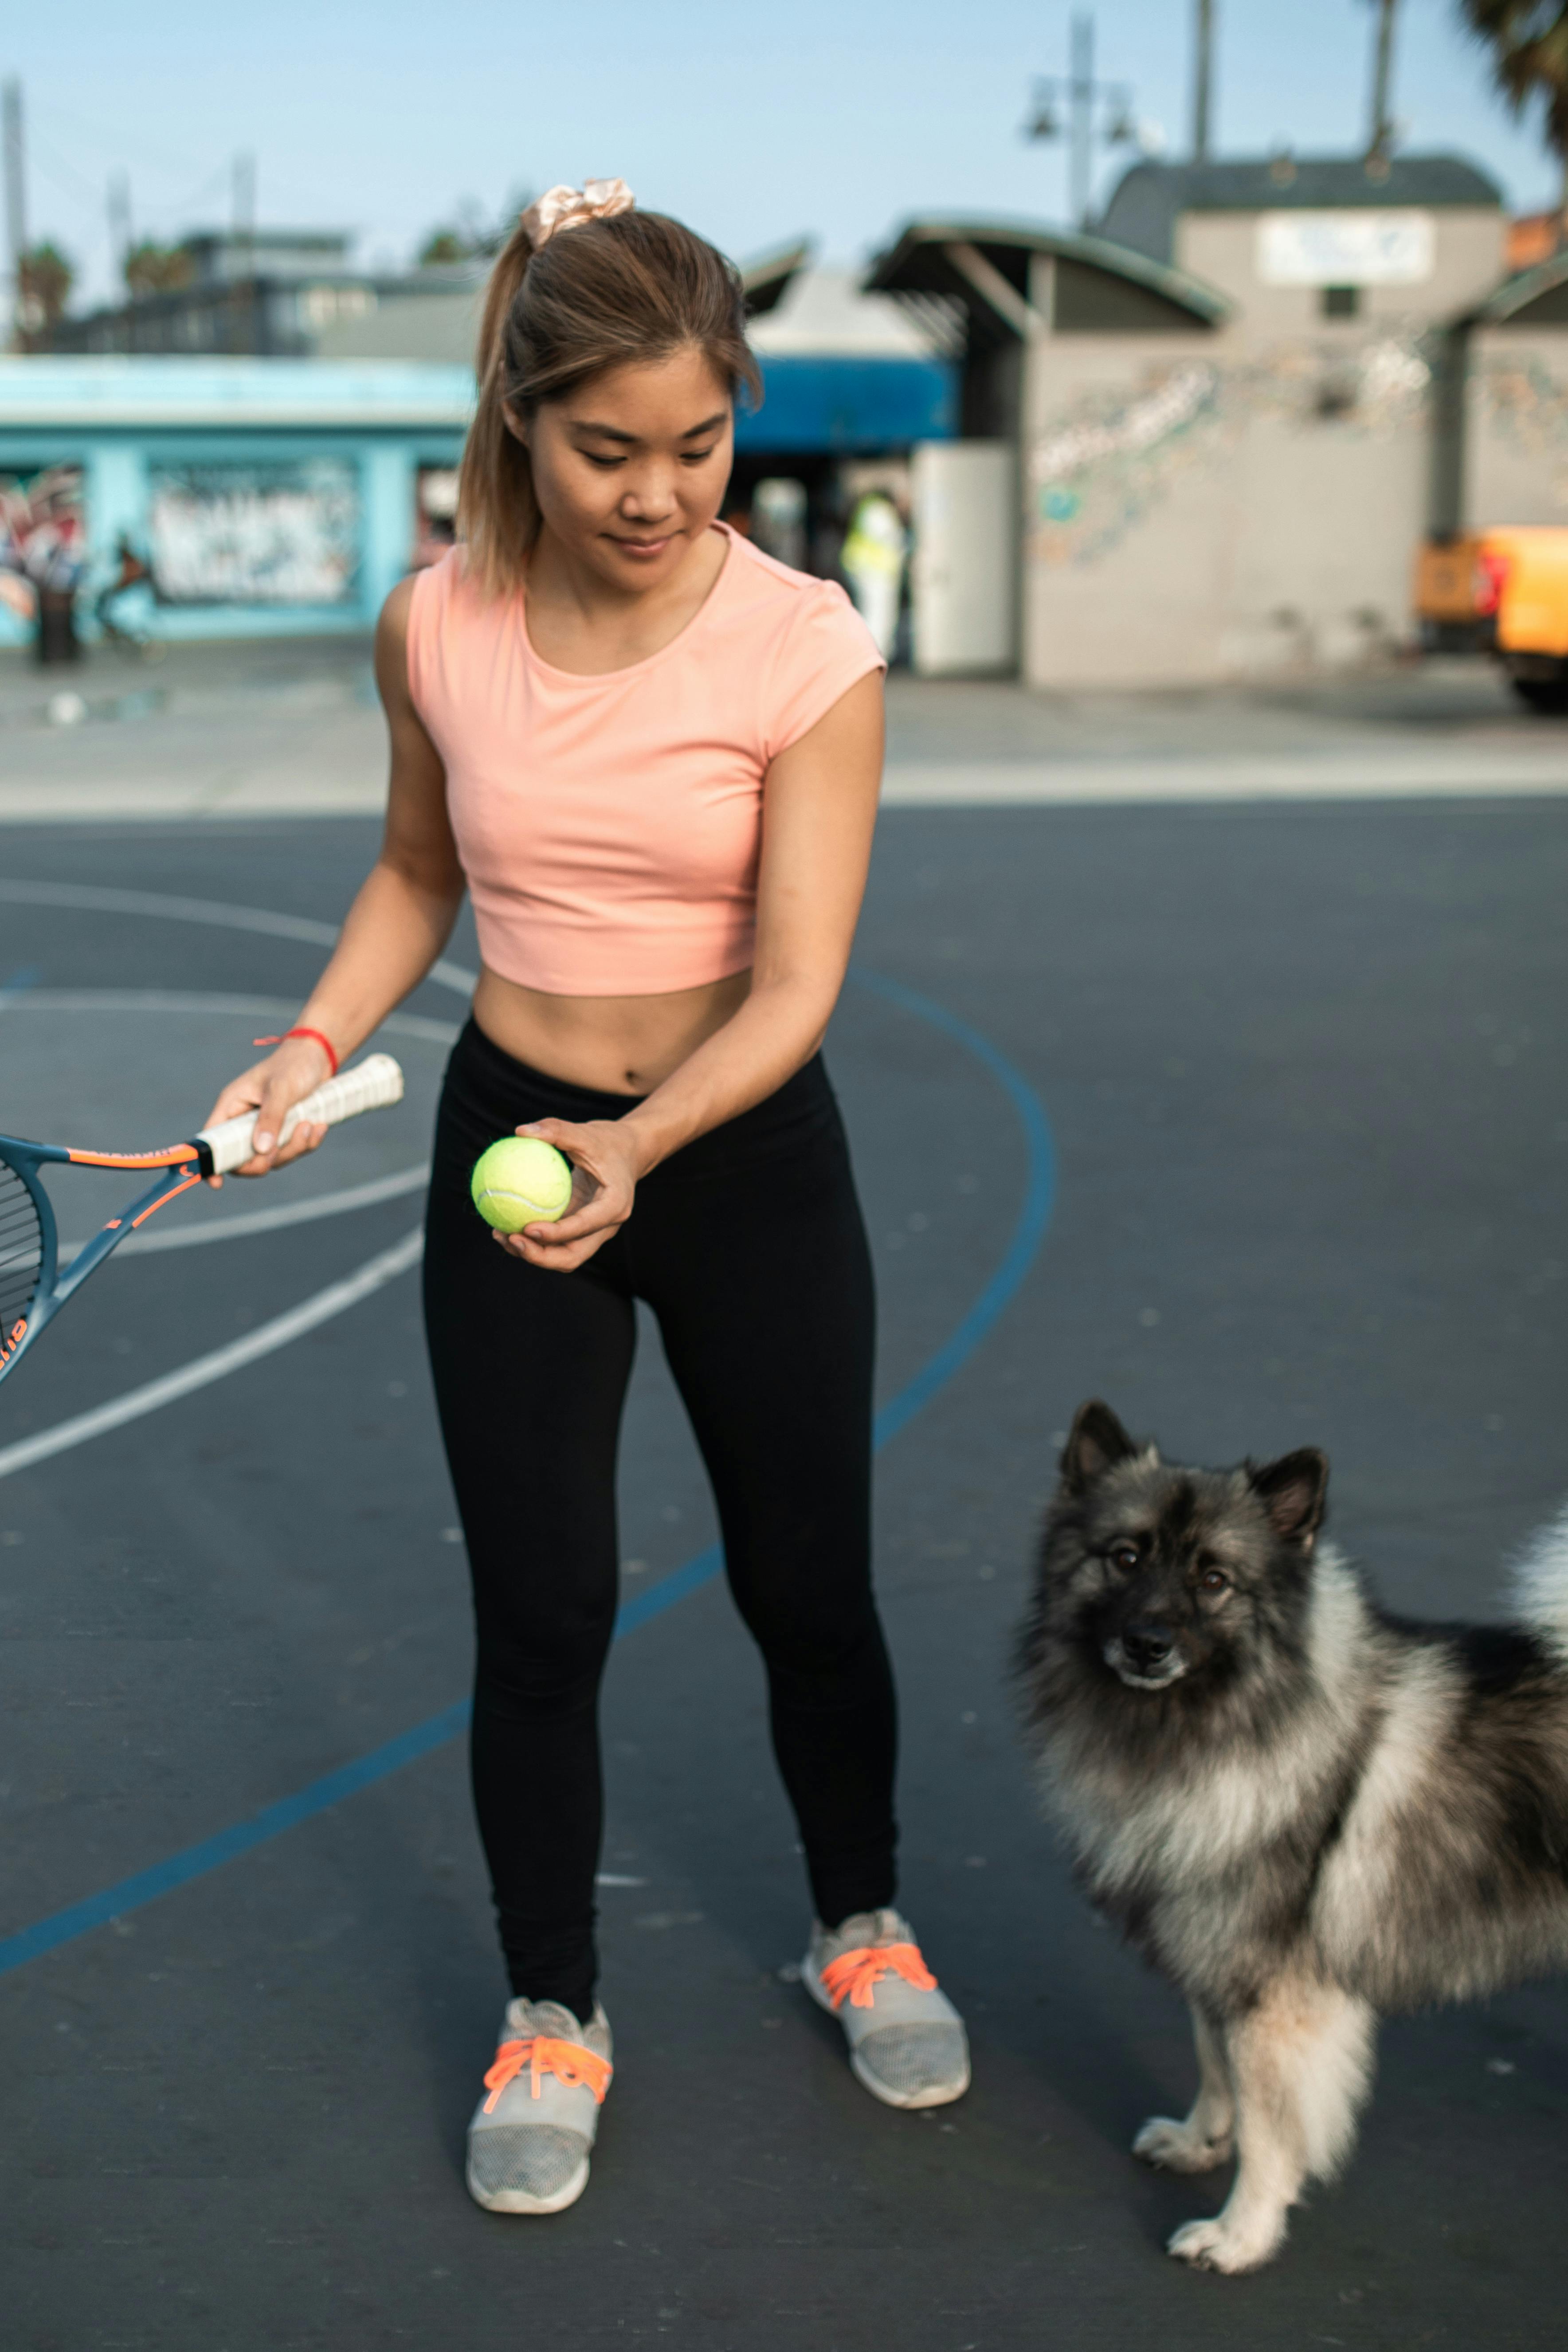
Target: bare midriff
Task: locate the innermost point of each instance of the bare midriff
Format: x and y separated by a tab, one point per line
614	1045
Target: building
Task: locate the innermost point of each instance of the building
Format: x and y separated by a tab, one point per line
285	294
1221	409
270	494
266	495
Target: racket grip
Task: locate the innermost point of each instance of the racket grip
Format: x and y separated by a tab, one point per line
370	1085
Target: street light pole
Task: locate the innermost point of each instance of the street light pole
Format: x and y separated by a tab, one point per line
1380	136
1080	93
1203	82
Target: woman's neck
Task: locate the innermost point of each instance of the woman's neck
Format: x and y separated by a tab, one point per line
579	621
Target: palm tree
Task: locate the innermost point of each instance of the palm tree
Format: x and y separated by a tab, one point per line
1529	42
44	281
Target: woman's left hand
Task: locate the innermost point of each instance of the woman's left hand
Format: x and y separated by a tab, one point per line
606	1167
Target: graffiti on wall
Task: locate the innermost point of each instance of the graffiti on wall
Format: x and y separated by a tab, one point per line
258	534
43	536
1526	405
1099	467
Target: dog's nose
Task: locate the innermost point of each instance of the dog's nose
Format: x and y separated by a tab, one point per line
1148	1645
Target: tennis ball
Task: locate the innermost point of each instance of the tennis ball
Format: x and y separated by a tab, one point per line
520	1181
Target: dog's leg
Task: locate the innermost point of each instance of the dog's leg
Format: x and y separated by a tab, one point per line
1207	2137
1300	2064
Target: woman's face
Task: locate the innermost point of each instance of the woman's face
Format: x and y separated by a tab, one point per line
630	468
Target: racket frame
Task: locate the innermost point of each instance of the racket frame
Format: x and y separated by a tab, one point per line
182	1162
372	1084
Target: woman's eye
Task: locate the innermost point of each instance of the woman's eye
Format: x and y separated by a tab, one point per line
594	459
1123	1556
696	456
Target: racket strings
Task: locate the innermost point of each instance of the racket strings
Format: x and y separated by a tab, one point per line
21	1251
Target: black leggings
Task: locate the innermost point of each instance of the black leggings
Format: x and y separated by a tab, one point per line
749	1249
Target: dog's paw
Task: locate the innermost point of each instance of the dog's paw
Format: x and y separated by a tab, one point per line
1216	2245
1173	2146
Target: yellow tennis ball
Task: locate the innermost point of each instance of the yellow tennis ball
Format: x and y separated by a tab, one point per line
520	1181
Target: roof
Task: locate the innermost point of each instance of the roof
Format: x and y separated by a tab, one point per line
824	313
769	277
916	263
112	393
1144	205
1541	291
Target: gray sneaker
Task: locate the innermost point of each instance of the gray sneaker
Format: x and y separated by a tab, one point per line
532	2133
906	2042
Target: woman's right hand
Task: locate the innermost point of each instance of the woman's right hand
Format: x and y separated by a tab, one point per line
271	1088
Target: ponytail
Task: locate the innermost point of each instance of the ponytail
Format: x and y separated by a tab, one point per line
497	514
620	290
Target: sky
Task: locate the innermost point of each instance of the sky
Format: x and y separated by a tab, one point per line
833	118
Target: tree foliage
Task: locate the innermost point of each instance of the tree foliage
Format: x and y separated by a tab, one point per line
1529	45
45	280
156	268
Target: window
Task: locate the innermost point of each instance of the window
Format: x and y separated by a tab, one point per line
1341	301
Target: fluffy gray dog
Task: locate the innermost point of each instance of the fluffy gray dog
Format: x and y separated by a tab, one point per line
1303	1809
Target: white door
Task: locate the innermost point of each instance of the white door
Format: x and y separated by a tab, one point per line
966	579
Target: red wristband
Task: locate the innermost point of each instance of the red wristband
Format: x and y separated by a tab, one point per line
324	1043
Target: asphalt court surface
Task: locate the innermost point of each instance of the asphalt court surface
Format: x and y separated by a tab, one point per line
1304	1069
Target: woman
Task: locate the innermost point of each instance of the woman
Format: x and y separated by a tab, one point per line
653	756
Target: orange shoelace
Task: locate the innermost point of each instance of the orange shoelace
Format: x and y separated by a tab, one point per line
859	1972
578	2068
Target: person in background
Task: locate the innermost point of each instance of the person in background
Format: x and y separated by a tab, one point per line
872	561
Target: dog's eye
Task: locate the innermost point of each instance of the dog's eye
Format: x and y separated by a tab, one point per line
1123	1556
1213	1580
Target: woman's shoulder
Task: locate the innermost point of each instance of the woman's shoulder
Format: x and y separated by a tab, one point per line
782	603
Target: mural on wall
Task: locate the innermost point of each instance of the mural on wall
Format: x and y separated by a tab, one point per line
1099	467
1527	406
284	533
43	537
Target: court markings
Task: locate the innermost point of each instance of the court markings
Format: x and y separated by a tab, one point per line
369	1195
203	1371
242	1837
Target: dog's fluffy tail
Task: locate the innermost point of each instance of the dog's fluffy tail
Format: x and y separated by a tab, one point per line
1541	1581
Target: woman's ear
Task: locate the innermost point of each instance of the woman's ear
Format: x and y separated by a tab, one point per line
515	424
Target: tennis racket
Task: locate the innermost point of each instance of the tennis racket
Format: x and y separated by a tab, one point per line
33	1287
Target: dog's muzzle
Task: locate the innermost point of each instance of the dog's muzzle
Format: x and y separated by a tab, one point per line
1145	1657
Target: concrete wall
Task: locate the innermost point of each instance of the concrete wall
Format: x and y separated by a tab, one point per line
1516	428
1218	506
1222	247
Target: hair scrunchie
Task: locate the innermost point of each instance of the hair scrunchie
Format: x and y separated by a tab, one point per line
564	207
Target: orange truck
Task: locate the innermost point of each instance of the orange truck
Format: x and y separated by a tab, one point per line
1503	591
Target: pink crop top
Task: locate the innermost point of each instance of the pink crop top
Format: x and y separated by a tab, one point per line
610	826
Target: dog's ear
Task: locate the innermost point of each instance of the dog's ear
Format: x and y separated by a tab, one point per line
1293	1491
1096	1440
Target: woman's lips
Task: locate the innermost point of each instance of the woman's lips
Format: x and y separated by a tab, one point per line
641	550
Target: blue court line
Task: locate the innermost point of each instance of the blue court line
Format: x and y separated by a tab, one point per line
209	1853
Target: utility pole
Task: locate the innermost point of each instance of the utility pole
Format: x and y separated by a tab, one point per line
1380	134
118	205
244	265
1203	82
15	208
1081	94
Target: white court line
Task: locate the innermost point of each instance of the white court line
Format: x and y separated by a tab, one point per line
266	1220
89	899
205	1370
184	1000
335	1298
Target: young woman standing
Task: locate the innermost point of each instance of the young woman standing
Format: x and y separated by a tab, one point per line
652	755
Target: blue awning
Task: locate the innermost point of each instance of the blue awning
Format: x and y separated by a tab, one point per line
832	405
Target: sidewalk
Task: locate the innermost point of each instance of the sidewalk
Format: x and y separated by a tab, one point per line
292	728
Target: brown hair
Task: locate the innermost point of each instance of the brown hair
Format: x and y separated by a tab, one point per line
605	293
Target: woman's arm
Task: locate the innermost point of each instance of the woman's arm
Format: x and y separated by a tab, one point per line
820	811
396	927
